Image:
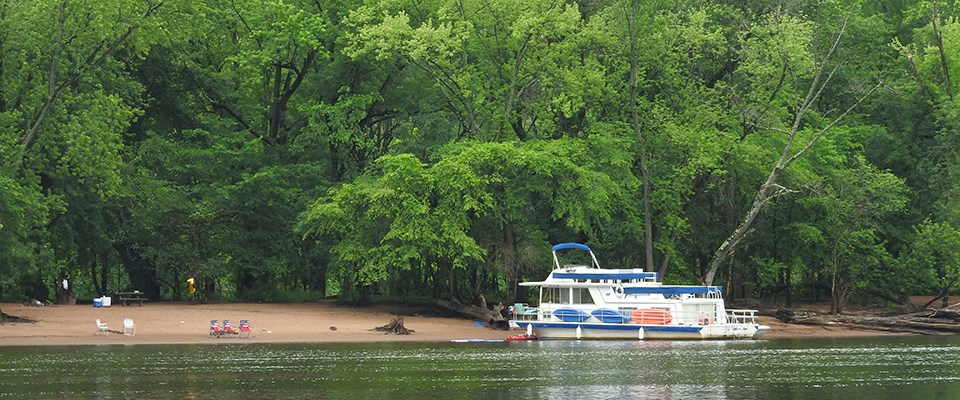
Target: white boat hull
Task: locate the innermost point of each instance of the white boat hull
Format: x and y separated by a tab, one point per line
602	331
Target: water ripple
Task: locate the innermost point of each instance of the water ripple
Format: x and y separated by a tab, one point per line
828	369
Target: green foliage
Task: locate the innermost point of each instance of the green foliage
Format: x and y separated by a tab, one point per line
852	204
933	259
411	215
506	69
21	214
286	150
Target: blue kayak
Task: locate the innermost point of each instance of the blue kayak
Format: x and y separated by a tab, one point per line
610	316
571	315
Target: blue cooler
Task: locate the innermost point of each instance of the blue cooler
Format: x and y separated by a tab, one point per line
98	302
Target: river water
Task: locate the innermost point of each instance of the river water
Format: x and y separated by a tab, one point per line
876	368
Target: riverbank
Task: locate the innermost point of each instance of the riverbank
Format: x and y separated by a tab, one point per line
186	323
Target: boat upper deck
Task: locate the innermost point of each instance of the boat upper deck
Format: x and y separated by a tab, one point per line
612	275
626	281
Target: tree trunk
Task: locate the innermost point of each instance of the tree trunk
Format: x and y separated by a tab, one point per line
887	297
142	273
283	90
492	317
93	277
929	322
788	155
395	327
730	245
511	264
638	132
944	63
452	283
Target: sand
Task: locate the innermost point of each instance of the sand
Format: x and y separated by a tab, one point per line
171	322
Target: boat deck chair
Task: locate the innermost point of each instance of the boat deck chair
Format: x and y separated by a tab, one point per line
244	328
102	328
215	329
129	327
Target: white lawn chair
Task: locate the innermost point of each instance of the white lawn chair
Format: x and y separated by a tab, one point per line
129	328
102	328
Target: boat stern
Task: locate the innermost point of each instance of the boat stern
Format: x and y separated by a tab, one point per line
761	329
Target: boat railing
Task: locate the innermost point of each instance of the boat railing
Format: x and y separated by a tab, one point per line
523	312
543	312
742	316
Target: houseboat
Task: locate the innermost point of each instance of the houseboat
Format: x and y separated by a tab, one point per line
589	302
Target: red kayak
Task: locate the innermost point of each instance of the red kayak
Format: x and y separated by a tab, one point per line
521	337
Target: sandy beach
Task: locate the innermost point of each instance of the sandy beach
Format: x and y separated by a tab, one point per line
171	322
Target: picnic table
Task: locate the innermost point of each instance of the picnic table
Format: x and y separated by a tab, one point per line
127	297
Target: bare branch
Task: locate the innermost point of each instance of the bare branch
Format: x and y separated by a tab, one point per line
943	55
787	157
93	61
835	121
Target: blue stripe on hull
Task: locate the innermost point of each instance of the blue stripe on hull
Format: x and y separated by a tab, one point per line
560	330
617	327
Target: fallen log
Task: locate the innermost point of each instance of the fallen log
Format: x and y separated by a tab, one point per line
944	314
491	317
895	329
922	323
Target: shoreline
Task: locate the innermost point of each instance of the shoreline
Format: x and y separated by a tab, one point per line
324	322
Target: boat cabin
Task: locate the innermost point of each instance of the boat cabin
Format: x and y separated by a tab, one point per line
629	292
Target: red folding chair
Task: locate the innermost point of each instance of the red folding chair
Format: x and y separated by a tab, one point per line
244	328
215	330
227	329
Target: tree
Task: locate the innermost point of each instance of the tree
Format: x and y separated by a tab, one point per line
799	135
432	219
632	34
21	214
85	36
853	206
67	97
934	254
675	107
503	68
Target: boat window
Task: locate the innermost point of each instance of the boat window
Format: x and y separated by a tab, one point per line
556	295
582	296
564	295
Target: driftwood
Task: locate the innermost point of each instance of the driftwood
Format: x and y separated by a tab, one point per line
5	318
395	327
38	303
493	317
926	322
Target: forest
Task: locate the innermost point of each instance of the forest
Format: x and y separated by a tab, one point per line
295	150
